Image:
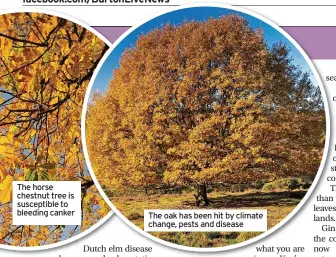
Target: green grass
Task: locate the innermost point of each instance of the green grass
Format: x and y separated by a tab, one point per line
278	205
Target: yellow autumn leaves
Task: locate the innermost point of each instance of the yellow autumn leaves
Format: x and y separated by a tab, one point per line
6	143
6	189
203	103
46	63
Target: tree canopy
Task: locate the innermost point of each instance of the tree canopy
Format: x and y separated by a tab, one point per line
205	102
46	63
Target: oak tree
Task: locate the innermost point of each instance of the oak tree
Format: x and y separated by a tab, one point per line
202	103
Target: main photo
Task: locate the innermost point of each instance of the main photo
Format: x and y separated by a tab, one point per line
205	108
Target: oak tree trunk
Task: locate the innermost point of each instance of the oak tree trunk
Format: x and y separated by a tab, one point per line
204	195
201	195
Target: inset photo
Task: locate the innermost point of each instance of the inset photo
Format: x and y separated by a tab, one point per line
202	113
46	63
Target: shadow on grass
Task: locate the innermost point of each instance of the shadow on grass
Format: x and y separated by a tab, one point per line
254	200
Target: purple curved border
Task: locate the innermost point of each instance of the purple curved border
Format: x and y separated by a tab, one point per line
318	42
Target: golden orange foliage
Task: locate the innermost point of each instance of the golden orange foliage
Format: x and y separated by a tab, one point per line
205	102
46	63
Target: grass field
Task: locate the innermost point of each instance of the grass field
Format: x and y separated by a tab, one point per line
278	204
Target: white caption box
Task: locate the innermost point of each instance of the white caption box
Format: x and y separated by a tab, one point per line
241	220
47	203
